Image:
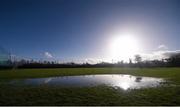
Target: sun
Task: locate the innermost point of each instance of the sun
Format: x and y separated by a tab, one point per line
124	47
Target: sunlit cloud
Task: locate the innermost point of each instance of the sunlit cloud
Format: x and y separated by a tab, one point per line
171	53
162	47
91	60
158	55
161	52
48	55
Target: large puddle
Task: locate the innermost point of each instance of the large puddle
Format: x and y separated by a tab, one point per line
115	80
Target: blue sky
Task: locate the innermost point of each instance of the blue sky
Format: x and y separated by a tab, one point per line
80	29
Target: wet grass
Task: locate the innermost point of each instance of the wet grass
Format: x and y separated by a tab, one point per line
100	95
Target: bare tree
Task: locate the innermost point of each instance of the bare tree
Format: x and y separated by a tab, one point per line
138	58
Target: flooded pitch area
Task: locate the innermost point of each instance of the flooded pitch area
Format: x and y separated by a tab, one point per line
114	80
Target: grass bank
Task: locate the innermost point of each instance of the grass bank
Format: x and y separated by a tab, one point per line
169	73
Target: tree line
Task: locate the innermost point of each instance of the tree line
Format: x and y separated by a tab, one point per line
172	61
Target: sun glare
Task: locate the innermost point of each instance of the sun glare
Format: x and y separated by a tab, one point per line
124	85
124	47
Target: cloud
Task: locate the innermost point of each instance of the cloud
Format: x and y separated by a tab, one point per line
171	53
91	60
48	55
162	47
160	54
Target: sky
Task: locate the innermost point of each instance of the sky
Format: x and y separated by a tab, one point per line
84	29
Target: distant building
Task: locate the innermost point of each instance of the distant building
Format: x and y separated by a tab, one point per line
5	57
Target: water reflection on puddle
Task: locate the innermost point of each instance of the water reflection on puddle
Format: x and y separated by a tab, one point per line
116	80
